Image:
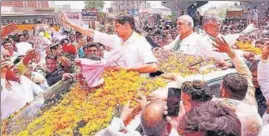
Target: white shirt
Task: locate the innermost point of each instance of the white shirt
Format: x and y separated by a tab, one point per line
263	78
206	49
265	131
39	78
188	45
20	94
135	51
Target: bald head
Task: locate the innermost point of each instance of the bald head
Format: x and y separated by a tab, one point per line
152	118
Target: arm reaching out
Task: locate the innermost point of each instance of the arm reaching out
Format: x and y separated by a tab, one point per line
111	41
66	22
263	72
240	66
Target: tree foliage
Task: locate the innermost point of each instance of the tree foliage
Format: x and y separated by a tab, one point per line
89	4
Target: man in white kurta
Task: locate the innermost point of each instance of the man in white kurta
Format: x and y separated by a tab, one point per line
135	51
17	94
187	45
186	41
211	26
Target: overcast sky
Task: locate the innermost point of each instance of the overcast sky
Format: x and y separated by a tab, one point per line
156	4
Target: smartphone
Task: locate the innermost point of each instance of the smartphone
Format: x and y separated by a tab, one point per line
155	74
174	95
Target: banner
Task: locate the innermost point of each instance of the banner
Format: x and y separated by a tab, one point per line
89	14
8	29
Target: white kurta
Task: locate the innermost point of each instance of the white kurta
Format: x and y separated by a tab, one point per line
206	49
20	93
263	79
136	51
265	130
188	45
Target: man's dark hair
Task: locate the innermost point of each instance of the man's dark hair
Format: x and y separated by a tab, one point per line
10	36
212	117
6	41
236	84
66	32
18	40
78	33
198	90
25	31
254	66
54	47
62	41
20	35
89	45
123	18
100	45
54	57
72	34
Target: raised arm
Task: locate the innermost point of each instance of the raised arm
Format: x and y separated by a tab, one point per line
111	41
263	72
66	22
241	68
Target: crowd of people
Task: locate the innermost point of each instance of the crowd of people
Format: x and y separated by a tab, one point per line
34	62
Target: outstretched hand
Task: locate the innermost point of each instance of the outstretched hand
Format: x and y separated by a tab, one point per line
222	45
30	55
64	19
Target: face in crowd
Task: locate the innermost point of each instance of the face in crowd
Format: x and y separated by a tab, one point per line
13	73
91	51
51	64
212	27
183	26
72	38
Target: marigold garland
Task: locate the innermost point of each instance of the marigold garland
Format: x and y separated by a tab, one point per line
173	62
248	47
94	108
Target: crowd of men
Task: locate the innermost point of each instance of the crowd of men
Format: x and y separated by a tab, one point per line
33	63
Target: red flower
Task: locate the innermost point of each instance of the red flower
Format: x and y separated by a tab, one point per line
69	48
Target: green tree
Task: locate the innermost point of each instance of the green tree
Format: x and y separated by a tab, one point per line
94	4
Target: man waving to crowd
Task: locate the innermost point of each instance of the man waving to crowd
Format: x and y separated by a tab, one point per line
136	54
